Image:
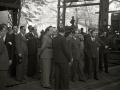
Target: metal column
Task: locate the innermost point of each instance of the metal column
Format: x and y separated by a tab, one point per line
103	15
15	18
64	10
58	16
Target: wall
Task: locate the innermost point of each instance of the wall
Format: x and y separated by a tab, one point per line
4	17
82	26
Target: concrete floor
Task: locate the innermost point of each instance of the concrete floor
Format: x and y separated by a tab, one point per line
106	81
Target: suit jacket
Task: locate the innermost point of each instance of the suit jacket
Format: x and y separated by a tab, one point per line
4	59
27	35
102	48
92	47
61	52
32	45
46	48
75	48
86	36
8	46
81	38
21	44
13	47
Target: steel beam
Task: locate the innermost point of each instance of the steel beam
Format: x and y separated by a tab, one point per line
78	0
109	11
64	10
90	4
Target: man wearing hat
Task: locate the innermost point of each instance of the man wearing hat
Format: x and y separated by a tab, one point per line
62	58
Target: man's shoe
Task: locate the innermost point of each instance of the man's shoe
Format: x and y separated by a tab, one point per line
100	71
96	78
48	87
18	80
106	72
83	80
52	80
72	80
88	77
23	78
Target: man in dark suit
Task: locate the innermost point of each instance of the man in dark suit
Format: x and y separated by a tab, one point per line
4	59
32	54
62	57
77	57
8	42
88	35
29	28
92	49
22	52
13	49
103	54
86	60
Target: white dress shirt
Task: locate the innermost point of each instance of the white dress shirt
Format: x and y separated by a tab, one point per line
93	39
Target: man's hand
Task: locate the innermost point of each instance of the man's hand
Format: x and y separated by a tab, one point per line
20	55
106	47
10	62
71	62
20	60
10	43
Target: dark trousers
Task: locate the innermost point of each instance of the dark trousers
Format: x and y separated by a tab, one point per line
77	66
52	71
80	66
21	67
61	76
86	63
13	67
3	77
92	64
103	58
74	69
32	65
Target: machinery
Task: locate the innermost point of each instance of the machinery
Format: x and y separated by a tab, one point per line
115	31
115	22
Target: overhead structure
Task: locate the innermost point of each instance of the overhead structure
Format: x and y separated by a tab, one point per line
13	5
64	4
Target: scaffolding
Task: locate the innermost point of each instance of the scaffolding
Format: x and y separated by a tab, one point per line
64	4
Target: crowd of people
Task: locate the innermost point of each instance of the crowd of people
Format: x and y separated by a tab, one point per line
62	53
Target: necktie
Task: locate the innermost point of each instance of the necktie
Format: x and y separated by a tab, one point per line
24	36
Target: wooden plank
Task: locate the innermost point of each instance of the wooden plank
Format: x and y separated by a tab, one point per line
90	4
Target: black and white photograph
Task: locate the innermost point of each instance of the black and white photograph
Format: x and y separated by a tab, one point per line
59	44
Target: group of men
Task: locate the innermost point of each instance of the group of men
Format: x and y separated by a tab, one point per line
72	53
59	55
20	49
84	54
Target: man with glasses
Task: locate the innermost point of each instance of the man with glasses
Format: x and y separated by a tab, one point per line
22	52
